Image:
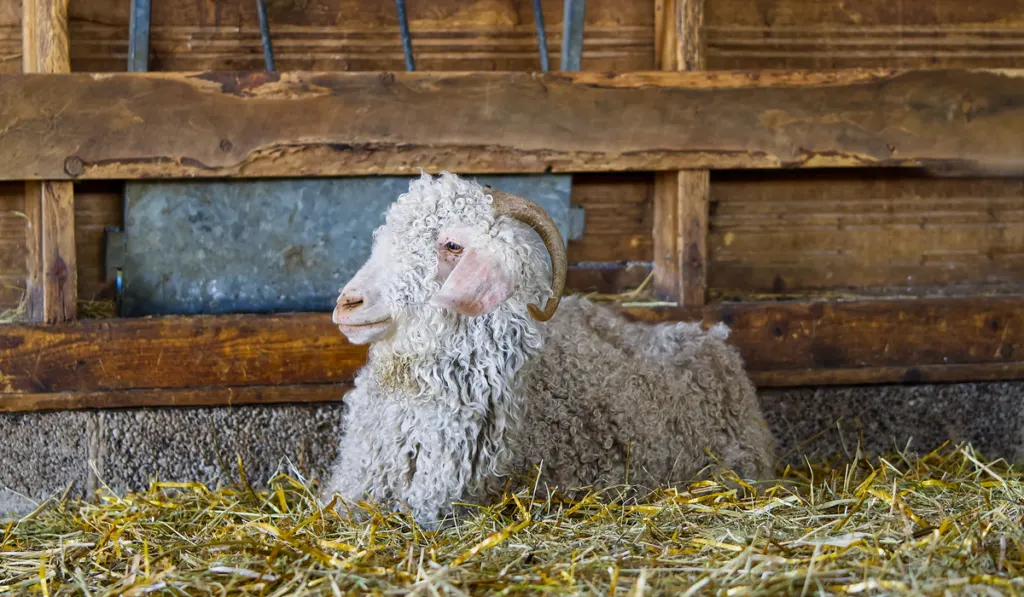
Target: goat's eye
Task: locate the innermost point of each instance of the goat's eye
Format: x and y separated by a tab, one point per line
453	248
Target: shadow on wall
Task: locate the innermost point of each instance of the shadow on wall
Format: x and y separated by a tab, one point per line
43	453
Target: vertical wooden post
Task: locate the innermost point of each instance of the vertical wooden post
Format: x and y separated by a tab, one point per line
52	283
680	198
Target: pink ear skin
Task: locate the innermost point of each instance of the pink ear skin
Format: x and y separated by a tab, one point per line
478	284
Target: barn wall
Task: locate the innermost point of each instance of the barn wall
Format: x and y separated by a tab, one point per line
344	35
810	232
863	232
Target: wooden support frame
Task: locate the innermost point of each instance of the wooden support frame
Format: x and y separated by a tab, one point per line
252	359
56	128
52	281
681	199
178	125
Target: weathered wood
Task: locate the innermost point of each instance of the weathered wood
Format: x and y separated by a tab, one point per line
618	217
606	278
817	34
310	124
359	35
681	198
694	187
787	343
666	235
866	230
216	396
52	277
46	47
888	340
175	352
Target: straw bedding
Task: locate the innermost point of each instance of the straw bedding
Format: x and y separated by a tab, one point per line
944	523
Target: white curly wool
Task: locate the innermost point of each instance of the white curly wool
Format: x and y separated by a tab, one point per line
450	408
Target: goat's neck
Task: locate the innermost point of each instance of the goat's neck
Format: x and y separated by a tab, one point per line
467	365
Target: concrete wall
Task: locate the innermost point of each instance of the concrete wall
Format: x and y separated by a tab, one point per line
43	453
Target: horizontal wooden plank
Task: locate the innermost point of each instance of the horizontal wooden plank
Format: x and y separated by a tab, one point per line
870	340
863	33
319	393
319	124
230	396
619	217
843	229
175	352
359	35
170	360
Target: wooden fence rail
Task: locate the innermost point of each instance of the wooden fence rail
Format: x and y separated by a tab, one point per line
176	125
244	359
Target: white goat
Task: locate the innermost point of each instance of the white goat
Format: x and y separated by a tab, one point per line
464	388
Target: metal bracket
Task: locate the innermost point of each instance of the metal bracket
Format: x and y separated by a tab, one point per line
572	34
268	49
138	37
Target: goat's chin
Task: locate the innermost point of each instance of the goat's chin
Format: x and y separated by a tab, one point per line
366	334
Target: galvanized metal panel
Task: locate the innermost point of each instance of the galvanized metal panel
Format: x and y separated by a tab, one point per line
268	245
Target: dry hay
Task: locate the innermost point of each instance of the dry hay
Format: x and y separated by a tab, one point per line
945	523
87	309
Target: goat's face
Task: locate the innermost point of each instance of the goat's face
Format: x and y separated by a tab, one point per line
440	256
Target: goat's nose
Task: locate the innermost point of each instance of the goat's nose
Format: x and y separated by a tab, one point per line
347	303
350	302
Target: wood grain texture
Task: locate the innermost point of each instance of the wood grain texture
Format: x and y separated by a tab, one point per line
230	396
52	280
681	198
318	124
863	232
618	217
175	352
787	343
666	236
35	269
46	47
606	277
870	341
361	35
97	206
52	276
694	187
816	34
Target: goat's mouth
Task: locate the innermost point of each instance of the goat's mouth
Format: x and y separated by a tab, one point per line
365	326
365	333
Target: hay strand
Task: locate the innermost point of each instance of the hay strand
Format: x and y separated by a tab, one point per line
947	522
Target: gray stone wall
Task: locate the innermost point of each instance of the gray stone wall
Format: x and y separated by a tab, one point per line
45	453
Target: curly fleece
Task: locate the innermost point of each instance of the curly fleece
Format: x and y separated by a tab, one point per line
450	408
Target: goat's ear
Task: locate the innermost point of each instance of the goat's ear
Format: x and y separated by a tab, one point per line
478	284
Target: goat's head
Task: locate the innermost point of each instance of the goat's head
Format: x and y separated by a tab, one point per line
445	250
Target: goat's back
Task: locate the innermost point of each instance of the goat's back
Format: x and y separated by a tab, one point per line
609	395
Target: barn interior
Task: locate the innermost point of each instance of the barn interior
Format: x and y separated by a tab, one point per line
837	180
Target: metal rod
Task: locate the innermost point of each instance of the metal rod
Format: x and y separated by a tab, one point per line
268	49
572	34
138	36
542	36
403	25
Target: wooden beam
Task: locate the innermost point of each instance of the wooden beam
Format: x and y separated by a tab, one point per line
681	199
175	352
211	359
870	341
229	396
134	125
52	280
